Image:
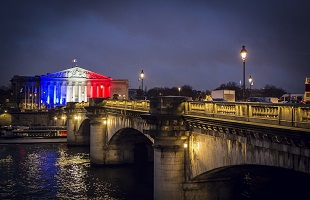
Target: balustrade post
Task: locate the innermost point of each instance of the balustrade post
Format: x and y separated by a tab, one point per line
247	116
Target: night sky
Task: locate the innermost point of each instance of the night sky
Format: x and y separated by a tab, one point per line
176	43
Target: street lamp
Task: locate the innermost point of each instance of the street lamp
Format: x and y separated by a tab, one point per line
243	54
251	83
179	91
141	77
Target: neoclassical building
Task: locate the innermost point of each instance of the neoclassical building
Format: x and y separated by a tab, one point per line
71	85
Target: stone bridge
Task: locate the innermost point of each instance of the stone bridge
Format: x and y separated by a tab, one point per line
187	139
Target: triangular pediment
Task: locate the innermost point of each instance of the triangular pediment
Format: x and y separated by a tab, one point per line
76	72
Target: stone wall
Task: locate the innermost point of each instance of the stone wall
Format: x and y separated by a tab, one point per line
33	118
213	149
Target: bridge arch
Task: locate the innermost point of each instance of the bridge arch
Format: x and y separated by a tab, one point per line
248	182
128	145
84	128
79	132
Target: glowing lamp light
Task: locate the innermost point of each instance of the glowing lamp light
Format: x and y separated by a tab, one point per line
243	53
185	145
142	74
250	79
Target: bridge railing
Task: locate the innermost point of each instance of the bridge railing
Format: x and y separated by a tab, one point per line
269	113
140	105
293	115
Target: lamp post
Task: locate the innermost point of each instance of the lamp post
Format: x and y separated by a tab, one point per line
179	91
141	77
243	54
251	83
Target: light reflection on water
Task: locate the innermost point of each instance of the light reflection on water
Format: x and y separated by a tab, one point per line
54	171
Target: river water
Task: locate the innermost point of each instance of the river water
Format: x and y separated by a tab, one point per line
55	171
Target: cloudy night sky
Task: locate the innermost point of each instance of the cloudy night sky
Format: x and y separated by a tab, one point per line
176	43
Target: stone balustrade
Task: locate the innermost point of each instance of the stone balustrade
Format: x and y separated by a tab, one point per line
296	115
129	105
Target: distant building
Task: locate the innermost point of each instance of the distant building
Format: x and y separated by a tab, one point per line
307	90
71	85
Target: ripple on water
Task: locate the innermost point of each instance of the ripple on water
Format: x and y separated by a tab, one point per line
54	171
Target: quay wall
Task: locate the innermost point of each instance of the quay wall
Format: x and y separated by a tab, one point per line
32	118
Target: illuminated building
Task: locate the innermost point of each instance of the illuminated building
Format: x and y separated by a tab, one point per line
71	85
307	90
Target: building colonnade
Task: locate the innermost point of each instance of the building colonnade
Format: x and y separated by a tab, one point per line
60	92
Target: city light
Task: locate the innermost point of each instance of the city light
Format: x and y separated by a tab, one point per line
243	54
141	78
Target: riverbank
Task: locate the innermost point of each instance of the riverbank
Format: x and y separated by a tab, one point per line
30	140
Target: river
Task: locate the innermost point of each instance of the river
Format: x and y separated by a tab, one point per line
55	171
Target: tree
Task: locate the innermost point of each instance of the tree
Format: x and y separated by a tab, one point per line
272	91
5	96
186	90
229	86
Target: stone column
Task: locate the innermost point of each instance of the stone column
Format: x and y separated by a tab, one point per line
68	92
73	93
98	134
102	90
61	89
91	91
80	94
85	93
48	99
170	134
54	93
